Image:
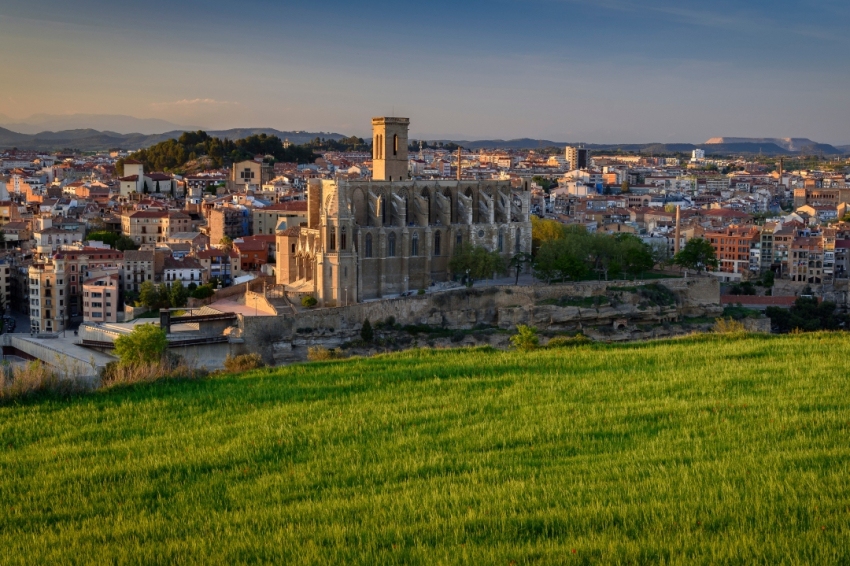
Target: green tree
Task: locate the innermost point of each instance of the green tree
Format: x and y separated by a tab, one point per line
148	295
146	344
526	338
543	231
624	187
164	295
107	237
558	260
203	292
178	294
366	332
476	262
697	254
226	243
124	243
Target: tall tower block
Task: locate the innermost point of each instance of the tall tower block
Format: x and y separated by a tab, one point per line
389	148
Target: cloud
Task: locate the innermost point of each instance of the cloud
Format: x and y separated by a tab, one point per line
194	102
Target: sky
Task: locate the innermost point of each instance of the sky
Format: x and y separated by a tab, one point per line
594	71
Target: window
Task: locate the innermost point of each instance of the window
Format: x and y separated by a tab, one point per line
518	240
368	251
293	248
332	245
437	243
395	144
414	244
343	239
501	243
459	240
391	245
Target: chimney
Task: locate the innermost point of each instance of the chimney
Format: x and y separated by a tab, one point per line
678	226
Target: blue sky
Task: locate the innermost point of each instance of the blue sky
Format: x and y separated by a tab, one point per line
567	70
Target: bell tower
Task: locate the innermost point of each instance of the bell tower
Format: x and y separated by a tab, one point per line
389	148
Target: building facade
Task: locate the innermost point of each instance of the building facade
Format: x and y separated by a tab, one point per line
388	235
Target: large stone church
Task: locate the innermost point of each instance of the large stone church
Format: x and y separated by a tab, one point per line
367	239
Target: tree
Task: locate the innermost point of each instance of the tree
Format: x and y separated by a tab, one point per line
526	338
226	243
146	344
543	231
164	296
366	332
624	187
806	314
697	254
178	295
476	262
124	243
518	262
3	239
558	260
107	237
148	295
203	292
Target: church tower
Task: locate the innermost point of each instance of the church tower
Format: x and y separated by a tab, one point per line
389	148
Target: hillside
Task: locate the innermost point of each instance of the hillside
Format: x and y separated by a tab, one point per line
701	450
93	140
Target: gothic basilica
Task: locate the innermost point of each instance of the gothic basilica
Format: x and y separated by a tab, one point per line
391	234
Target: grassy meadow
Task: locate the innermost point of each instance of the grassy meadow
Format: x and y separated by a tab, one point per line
703	450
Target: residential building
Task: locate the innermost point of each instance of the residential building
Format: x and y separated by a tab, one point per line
101	297
139	266
187	270
151	226
279	217
228	220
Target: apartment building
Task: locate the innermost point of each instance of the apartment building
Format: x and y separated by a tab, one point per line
47	297
187	270
220	264
266	220
139	266
80	265
151	226
232	221
100	297
806	261
732	247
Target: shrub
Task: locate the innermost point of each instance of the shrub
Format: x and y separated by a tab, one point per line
458	336
308	301
568	341
420	292
320	353
245	362
729	326
526	338
366	332
117	373
146	344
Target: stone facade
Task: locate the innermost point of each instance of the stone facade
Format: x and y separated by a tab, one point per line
368	239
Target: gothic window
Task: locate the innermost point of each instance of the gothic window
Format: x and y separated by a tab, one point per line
342	239
437	243
518	238
459	240
368	251
501	241
332	245
391	245
414	244
395	144
383	211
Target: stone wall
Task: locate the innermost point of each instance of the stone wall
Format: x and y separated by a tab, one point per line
286	337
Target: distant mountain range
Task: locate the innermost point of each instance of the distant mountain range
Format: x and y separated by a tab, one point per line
89	139
94	140
102	122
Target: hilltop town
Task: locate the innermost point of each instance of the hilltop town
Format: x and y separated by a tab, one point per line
94	241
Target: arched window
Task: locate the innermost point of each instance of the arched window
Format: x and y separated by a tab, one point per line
437	242
391	245
501	240
368	251
332	245
343	240
383	202
377	145
414	244
518	239
459	240
395	144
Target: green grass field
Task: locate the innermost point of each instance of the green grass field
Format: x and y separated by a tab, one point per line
704	450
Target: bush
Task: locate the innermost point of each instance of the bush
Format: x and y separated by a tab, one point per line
308	301
568	341
729	326
366	332
320	353
526	338
420	292
146	344
245	362
458	336
203	292
117	373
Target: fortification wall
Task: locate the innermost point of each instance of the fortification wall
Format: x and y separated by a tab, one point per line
286	337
